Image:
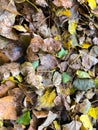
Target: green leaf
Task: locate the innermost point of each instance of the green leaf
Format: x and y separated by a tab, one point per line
62	53
74	40
82	74
65	77
83	84
24	119
96	82
35	64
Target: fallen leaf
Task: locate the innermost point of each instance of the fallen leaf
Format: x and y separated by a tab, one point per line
20	28
24	119
86	122
8	108
56	125
93	112
7	19
65	77
64	3
85	45
72	26
83	84
92	4
47	99
82	74
51	117
57	78
74	125
48	61
62	53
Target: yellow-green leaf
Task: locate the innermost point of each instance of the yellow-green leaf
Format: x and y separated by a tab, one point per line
86	122
92	3
72	26
20	28
82	74
93	112
56	125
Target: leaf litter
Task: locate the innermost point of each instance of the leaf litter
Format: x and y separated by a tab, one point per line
48	64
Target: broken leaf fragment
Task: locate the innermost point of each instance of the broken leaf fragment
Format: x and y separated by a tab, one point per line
93	112
24	119
47	99
86	122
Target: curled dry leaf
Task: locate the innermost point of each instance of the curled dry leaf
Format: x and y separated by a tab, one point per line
8	108
7	19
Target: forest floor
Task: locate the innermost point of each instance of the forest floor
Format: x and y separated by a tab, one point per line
48	64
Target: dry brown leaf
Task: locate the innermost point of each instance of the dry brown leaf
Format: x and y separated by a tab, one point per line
64	3
7	19
5	87
8	108
40	114
48	61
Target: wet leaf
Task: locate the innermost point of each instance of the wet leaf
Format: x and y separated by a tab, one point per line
83	84
74	125
24	119
86	122
93	112
65	77
82	74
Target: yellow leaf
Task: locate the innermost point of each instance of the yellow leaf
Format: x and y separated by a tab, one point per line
85	45
72	26
66	13
10	78
56	125
86	122
19	78
68	44
92	3
47	99
93	112
20	28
